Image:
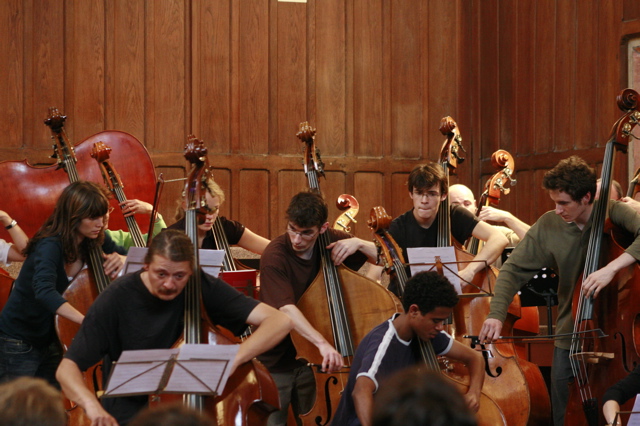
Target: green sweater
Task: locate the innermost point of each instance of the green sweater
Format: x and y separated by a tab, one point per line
552	242
125	240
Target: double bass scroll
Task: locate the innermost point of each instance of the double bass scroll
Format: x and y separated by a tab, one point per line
339	303
47	182
250	394
508	379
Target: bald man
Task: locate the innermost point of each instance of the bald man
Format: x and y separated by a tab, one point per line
515	228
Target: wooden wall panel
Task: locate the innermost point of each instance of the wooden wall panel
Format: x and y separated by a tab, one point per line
440	81
488	70
368	186
586	77
125	64
212	75
508	74
250	105
563	118
45	59
85	63
251	192
330	74
544	67
407	91
523	141
11	85
367	77
289	75
166	75
537	77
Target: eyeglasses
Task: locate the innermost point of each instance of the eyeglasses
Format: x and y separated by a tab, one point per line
212	210
110	210
430	194
305	235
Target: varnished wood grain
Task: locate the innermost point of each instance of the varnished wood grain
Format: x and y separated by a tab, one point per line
535	77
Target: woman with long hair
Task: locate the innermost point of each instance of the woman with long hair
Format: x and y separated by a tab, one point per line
55	255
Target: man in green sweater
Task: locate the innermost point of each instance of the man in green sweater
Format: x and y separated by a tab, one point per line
559	239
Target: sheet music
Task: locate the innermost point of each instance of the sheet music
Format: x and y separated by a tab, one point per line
634	417
427	255
194	368
210	260
138	371
204	370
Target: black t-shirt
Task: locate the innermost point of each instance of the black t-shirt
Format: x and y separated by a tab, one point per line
284	277
127	317
233	230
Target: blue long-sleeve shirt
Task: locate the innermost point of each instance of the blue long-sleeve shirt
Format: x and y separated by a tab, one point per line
37	293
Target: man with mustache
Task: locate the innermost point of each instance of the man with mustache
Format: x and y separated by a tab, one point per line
145	310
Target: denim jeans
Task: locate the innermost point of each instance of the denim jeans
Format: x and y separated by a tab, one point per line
19	358
561	375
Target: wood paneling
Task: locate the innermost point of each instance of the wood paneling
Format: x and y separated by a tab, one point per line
535	77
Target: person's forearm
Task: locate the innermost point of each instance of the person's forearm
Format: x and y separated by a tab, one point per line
302	326
69	312
610	409
364	407
517	226
491	250
73	385
270	332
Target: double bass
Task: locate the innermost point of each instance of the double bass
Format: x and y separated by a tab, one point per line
250	394
604	344
516	385
496	185
45	183
394	264
88	283
340	303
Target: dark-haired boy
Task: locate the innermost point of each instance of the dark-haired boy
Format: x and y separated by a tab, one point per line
560	239
428	300
428	186
288	266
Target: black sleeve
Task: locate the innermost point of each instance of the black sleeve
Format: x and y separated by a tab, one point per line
109	246
225	305
462	223
625	389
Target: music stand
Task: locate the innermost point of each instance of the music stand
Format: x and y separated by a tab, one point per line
192	369
210	260
541	290
244	280
443	260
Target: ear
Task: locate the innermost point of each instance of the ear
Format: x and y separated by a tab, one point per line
443	197
324	227
413	310
587	198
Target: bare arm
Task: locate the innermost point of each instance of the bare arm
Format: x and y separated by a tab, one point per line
74	388
495	242
344	248
15	254
363	399
610	409
273	327
496	215
475	363
18	236
331	359
69	312
252	241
